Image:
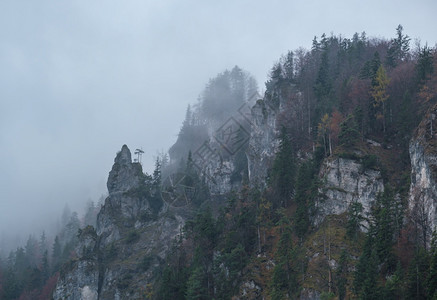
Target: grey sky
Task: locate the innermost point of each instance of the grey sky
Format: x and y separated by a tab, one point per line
78	79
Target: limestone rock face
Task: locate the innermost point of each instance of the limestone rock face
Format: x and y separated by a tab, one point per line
135	230
345	182
263	142
423	155
81	282
309	295
124	174
220	182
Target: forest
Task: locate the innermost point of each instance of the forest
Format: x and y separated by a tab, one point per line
32	270
333	100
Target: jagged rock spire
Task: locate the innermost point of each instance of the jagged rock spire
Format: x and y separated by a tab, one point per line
124	174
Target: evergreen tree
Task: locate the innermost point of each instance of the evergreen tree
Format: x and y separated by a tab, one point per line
305	188
417	274
66	215
90	217
283	171
383	227
365	277
196	286
56	254
354	219
341	275
157	174
393	288
371	67
32	251
284	279
370	289
45	267
349	133
43	242
432	277
173	283
276	80
12	286
323	86
315	45
425	66
399	48
289	66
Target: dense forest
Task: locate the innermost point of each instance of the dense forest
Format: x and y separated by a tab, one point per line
31	271
337	100
333	100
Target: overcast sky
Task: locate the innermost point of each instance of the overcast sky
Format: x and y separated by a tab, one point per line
78	79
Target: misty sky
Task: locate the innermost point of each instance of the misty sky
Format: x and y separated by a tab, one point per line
78	79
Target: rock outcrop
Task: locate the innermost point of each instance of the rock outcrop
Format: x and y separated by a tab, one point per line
423	188
124	175
263	142
81	281
344	181
135	230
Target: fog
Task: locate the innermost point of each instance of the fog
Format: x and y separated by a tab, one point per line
78	79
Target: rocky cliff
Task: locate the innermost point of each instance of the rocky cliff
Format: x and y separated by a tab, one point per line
345	181
423	189
135	230
263	142
80	279
135	227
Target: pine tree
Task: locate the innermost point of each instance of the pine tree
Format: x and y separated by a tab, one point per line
157	174
12	286
284	279
417	274
424	65
354	219
283	171
383	223
90	214
196	286
370	289
31	250
341	275
315	45
393	288
289	66
43	242
56	255
349	133
366	269
323	85
399	48
432	277
371	67
301	215
45	268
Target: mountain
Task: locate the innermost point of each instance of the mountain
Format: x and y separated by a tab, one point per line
323	188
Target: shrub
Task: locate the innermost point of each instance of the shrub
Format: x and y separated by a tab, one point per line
132	237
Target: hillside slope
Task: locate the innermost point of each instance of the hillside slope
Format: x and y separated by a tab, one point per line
323	189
